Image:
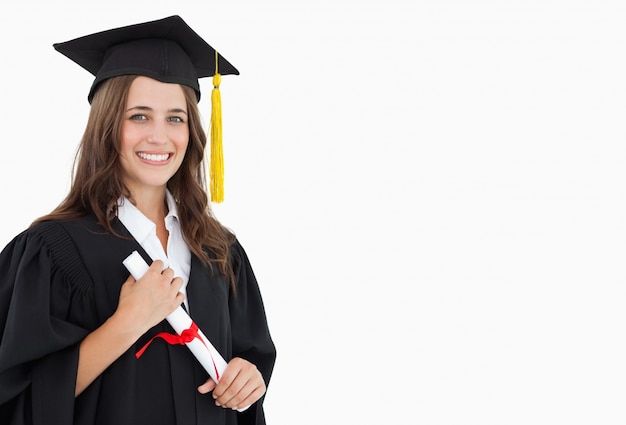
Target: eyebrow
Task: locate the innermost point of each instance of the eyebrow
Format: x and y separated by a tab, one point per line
147	108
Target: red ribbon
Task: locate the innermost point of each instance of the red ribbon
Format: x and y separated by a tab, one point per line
185	337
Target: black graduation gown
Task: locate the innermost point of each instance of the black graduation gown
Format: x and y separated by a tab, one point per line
60	280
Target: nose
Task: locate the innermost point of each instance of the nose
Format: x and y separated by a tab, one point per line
157	133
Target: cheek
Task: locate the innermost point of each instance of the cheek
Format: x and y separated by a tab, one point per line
127	139
183	141
126	149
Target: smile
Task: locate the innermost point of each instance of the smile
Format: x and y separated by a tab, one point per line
154	157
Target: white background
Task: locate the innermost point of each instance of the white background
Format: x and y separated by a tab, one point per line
432	193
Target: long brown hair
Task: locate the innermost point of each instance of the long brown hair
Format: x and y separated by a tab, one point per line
97	176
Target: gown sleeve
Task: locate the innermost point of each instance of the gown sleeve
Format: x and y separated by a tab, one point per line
251	338
39	343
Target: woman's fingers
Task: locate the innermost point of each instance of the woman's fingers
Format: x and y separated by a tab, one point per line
207	387
241	385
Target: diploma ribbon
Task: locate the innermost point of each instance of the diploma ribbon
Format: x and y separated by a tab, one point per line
185	337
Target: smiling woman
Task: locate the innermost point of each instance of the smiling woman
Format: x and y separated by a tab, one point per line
138	185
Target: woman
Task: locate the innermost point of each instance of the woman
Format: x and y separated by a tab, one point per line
79	334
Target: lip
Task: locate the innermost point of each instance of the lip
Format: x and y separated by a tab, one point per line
157	158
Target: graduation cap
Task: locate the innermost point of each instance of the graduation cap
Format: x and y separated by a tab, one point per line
167	50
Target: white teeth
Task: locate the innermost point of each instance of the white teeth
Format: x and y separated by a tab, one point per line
153	157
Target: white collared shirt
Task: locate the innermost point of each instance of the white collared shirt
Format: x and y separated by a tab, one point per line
178	255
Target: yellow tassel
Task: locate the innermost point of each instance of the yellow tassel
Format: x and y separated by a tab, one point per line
216	172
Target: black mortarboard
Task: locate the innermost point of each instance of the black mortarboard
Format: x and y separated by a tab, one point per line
167	50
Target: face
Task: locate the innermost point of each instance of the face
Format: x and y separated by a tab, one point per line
155	134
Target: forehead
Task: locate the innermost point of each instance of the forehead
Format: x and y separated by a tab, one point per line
145	91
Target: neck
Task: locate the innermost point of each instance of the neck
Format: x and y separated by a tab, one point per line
151	203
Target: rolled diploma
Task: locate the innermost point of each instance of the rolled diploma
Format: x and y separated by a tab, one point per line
206	354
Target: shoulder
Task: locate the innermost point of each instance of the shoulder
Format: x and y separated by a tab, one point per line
241	264
63	241
58	233
86	239
59	239
38	236
237	251
44	249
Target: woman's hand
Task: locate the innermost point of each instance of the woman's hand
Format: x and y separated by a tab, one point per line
142	304
145	302
241	385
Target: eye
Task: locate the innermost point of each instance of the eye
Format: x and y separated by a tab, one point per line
176	119
138	117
